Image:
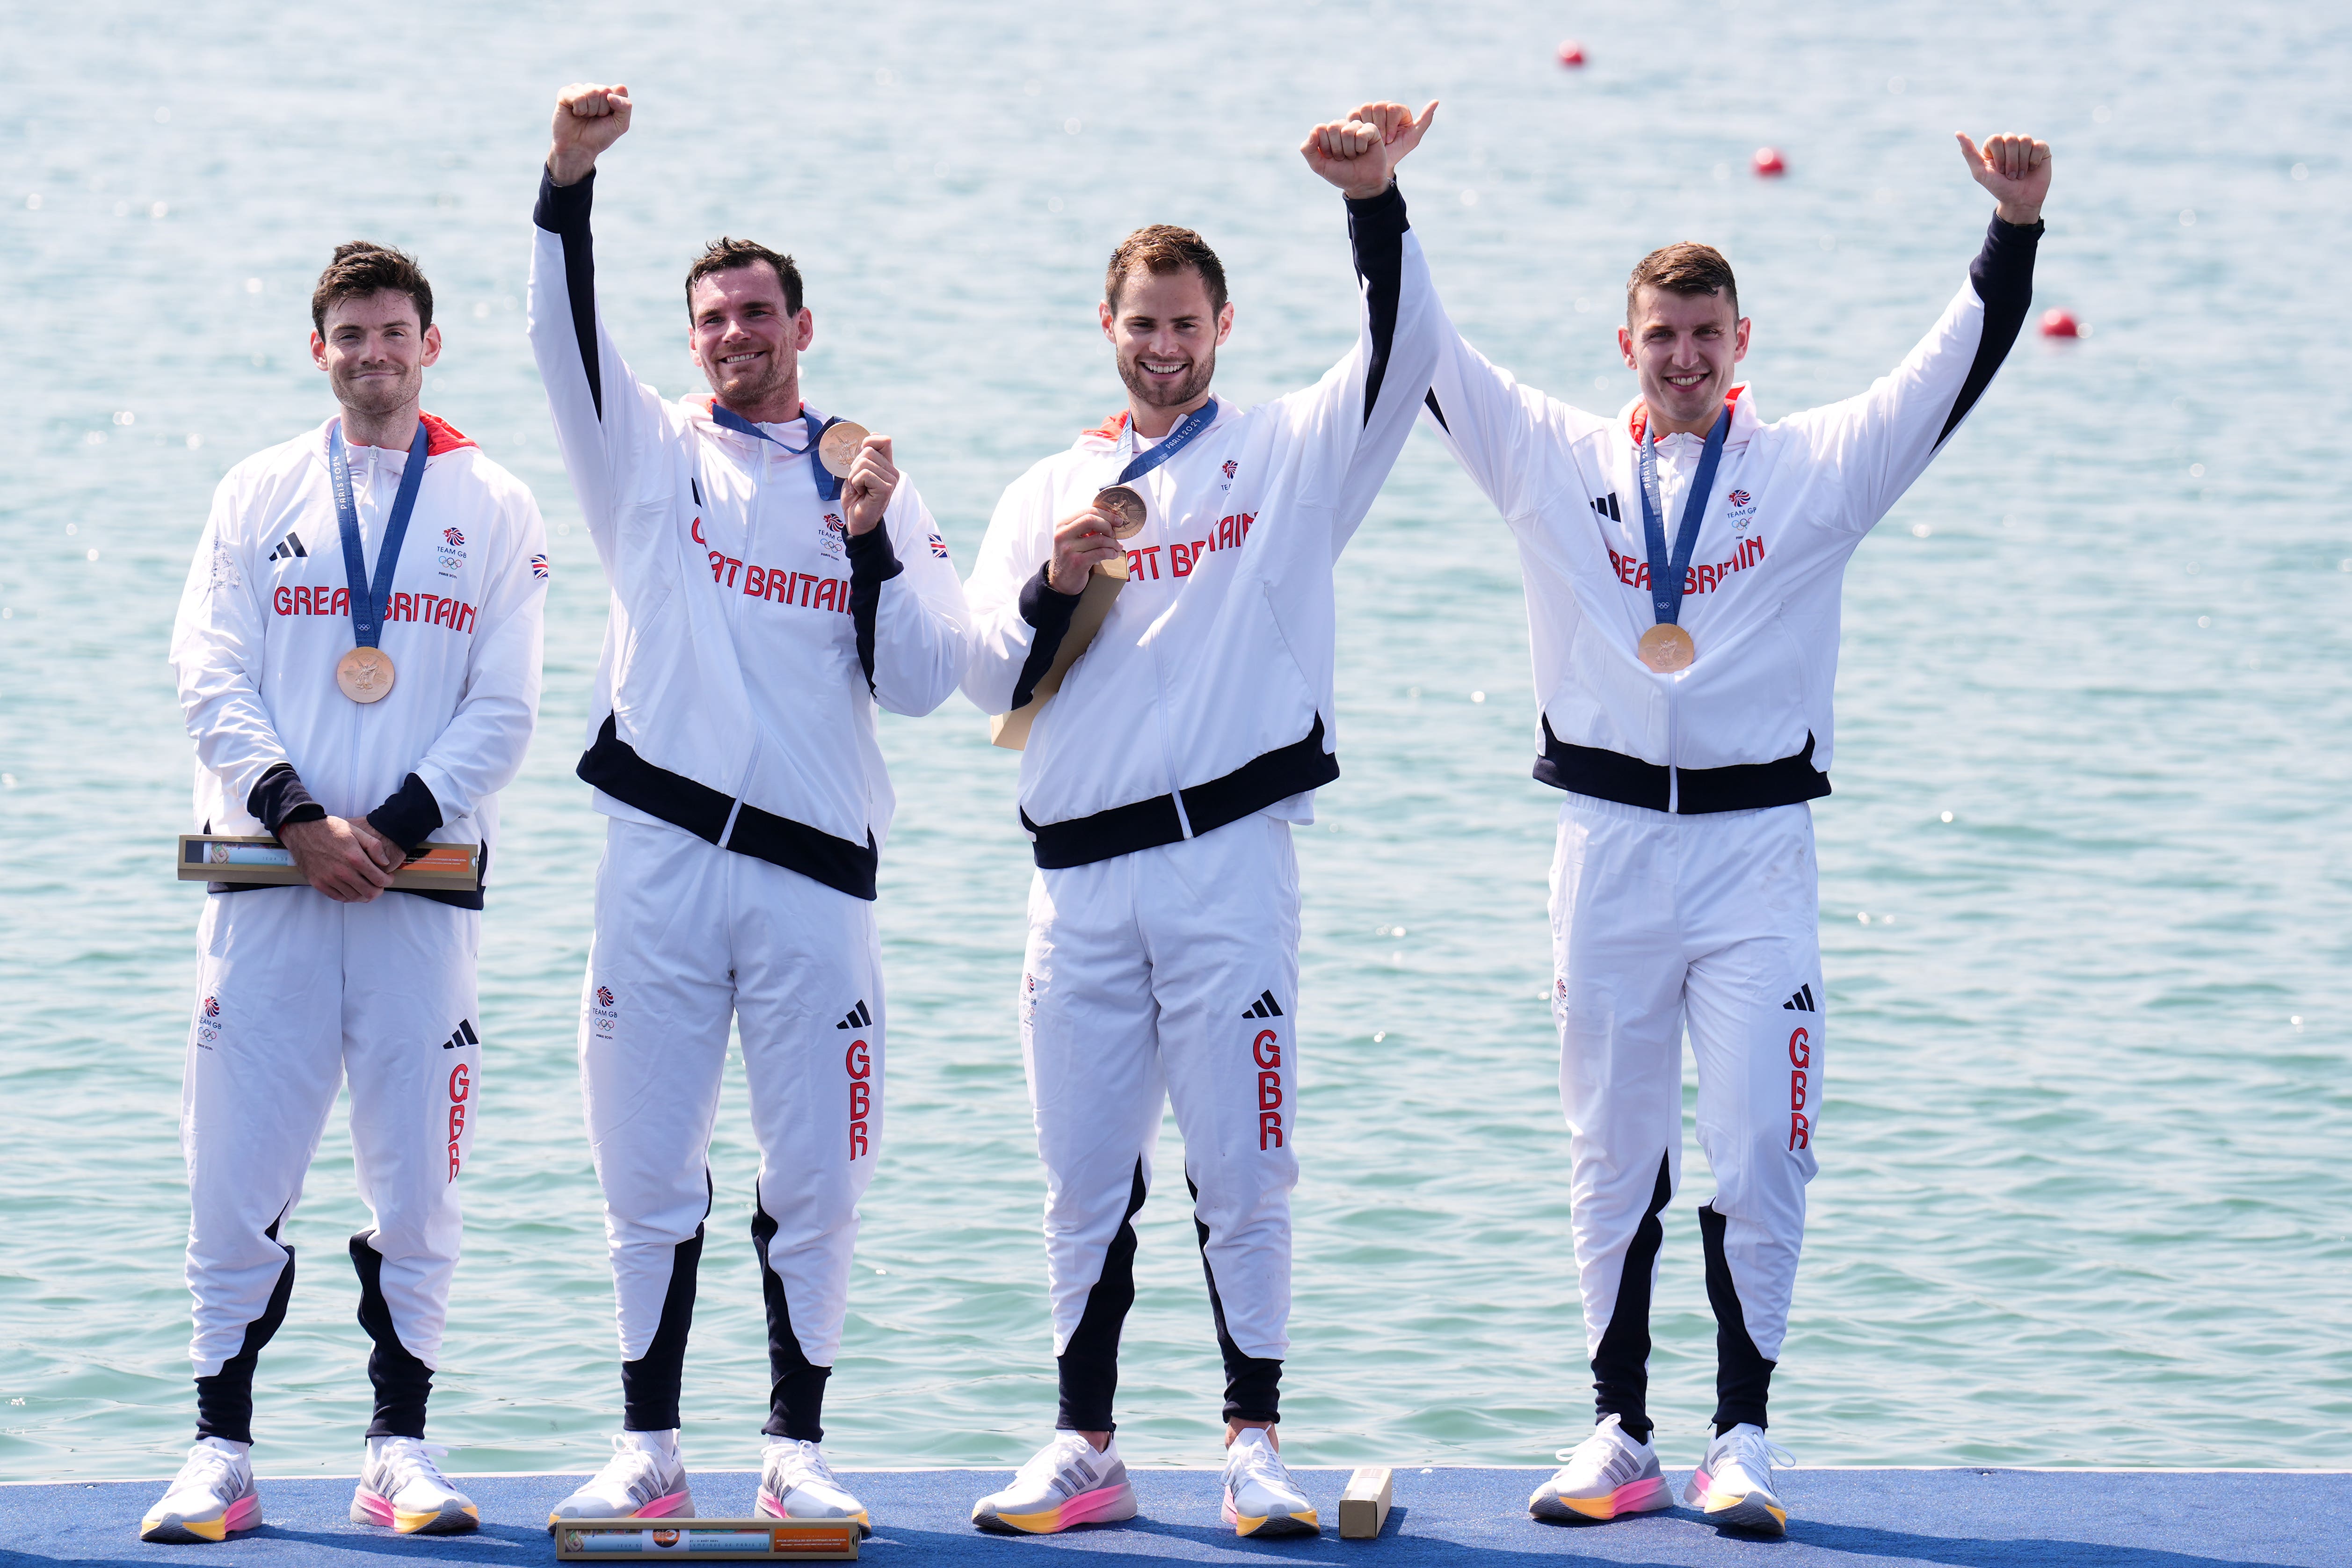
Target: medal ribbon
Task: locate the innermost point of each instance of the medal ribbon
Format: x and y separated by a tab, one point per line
828	485
1175	441
1665	576
370	605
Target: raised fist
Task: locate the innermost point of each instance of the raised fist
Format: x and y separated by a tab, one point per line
2015	169
1359	154
589	118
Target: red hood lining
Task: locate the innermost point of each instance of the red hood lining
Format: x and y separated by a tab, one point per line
442	436
1111	428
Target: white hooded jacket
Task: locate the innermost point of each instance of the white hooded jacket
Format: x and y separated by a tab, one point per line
1207	694
1749	722
265	618
750	638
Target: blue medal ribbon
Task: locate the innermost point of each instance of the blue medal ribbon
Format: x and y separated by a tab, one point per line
1666	576
828	485
1175	441
370	605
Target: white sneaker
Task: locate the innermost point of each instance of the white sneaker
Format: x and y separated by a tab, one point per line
1606	1474
212	1495
1065	1483
1733	1485
644	1478
1259	1497
797	1483
401	1488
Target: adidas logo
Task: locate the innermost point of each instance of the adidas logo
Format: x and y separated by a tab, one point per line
464	1037
1802	1002
1266	1006
859	1018
1607	507
289	548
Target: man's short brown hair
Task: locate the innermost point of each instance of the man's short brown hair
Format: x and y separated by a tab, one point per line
1683	268
1163	249
361	268
725	255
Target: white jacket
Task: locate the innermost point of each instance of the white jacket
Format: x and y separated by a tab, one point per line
266	616
1207	694
750	638
1791	499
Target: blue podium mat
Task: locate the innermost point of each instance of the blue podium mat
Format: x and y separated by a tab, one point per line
1839	1518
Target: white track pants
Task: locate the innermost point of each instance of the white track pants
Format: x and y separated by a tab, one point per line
1170	975
1711	922
296	993
687	936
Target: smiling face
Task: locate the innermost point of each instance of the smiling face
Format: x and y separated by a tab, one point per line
1165	334
748	342
1683	348
373	353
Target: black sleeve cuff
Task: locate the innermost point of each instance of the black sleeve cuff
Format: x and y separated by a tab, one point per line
563	209
1374	215
1049	610
2003	269
1047	607
410	816
280	798
1376	230
871	557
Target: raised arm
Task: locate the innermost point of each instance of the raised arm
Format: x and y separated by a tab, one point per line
612	429
1359	414
1493	426
1883	440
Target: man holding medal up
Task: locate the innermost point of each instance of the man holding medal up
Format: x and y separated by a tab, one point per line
1161	783
1684	564
358	655
775	580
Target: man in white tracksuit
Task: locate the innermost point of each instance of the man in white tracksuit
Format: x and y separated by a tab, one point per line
761	608
389	510
1161	784
1690	723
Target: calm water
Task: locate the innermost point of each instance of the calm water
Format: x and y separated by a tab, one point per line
2085	885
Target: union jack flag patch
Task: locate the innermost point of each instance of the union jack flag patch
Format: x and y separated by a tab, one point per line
539	566
939	547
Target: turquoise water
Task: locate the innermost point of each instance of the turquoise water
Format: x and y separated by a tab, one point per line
2083	1197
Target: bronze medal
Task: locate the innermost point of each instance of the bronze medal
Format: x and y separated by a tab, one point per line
838	446
1125	504
365	675
1666	647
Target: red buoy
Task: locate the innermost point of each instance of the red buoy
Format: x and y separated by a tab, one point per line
1571	53
1769	162
2057	323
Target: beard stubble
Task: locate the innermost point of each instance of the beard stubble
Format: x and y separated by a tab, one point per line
1190	387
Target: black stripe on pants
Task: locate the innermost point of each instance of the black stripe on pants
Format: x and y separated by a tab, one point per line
1253	1383
1743	1379
1088	1367
796	1396
1621	1367
225	1400
402	1383
650	1384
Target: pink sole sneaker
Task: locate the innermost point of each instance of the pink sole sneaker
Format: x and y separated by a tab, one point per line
1104	1504
1645	1495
